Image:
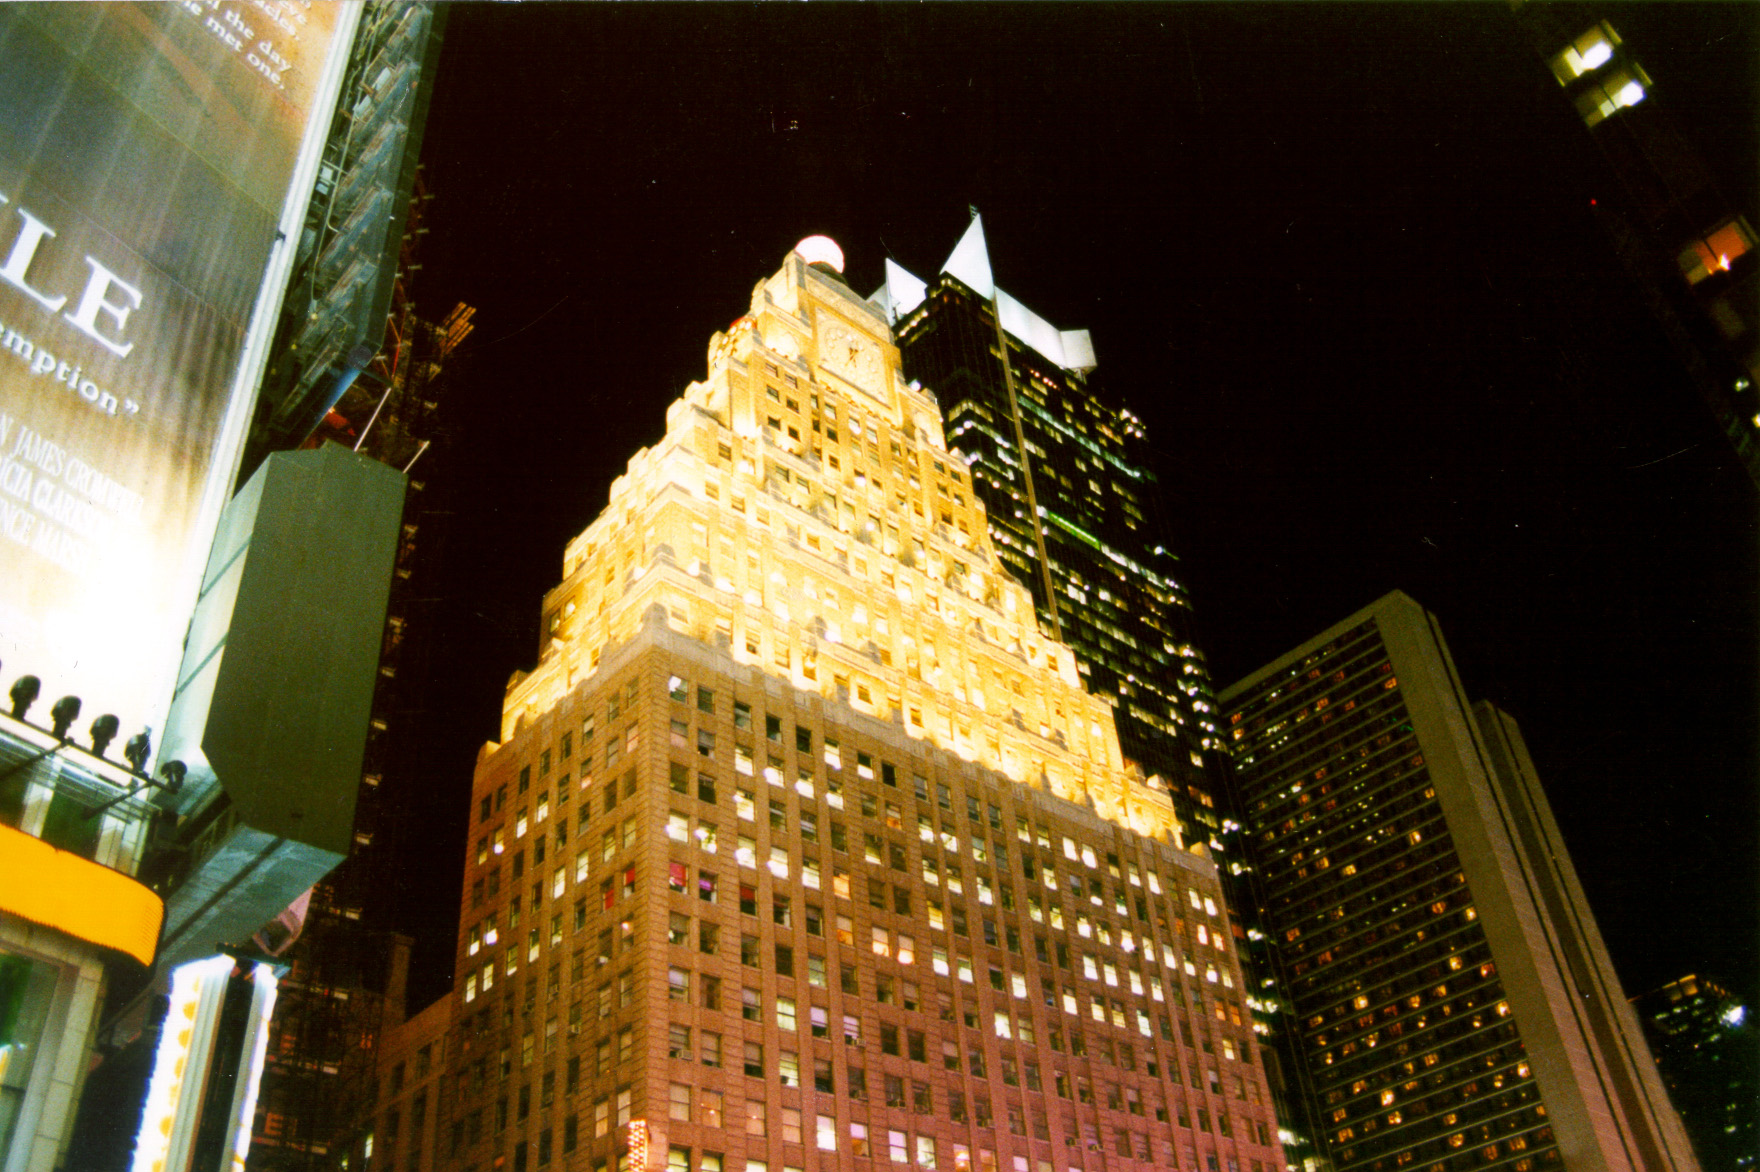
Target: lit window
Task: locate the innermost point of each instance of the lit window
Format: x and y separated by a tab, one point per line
1716	252
1586	54
1622	87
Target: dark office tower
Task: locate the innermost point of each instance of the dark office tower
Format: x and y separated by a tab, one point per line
1455	1006
802	847
1073	509
1708	1051
1688	246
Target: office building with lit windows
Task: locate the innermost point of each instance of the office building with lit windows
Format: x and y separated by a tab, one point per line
1708	1052
1455	1005
1687	245
1074	512
1073	508
803	847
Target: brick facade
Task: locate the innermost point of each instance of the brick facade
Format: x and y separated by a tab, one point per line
803	847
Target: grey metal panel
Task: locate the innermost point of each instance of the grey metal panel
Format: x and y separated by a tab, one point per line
287	727
274	697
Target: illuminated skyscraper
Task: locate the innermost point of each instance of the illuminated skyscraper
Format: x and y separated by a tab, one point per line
1075	515
1456	1007
1073	509
1708	1052
803	846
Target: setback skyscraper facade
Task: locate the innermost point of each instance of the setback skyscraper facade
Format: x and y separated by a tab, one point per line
803	848
1455	1004
1073	509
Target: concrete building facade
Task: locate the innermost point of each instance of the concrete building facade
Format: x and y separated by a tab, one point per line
403	1110
1456	1007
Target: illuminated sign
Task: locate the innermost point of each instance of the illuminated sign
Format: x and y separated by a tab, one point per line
61	890
264	987
189	1056
638	1143
154	160
185	1038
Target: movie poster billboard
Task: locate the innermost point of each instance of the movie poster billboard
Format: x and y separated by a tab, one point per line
153	159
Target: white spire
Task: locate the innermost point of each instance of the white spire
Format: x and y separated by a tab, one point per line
970	261
902	292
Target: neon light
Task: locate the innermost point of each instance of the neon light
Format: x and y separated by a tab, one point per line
264	987
638	1143
183	1041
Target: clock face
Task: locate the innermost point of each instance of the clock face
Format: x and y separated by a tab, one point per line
845	352
784	342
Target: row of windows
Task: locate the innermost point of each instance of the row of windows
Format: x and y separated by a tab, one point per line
899	1146
706	790
621	886
905	1041
887	991
687	1103
705	1105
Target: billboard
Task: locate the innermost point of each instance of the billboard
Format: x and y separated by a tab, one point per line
154	161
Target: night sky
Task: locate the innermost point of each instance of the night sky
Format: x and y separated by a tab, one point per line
1342	260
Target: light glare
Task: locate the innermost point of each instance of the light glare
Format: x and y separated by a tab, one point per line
821	250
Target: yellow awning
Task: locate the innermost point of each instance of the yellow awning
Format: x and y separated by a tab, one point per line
60	890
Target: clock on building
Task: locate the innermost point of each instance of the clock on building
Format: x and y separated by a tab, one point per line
783	342
844	352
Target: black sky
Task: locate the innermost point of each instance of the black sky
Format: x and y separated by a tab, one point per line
1341	259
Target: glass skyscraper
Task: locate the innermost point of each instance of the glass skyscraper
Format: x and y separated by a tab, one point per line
1073	509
